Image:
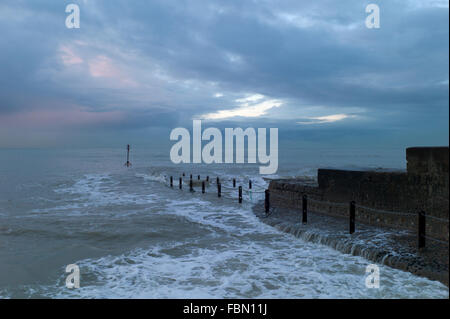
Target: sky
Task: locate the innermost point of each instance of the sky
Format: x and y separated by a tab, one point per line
135	70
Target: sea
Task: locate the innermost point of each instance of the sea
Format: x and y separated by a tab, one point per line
133	236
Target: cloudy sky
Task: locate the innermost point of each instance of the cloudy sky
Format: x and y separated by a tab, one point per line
137	69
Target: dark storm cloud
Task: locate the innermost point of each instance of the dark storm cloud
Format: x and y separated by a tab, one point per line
160	63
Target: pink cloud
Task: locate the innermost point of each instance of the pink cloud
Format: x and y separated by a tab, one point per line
69	57
100	67
58	118
104	67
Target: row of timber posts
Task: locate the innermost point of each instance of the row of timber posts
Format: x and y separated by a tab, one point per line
219	185
352	216
305	210
352	209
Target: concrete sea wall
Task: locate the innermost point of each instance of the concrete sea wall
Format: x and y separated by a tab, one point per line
383	198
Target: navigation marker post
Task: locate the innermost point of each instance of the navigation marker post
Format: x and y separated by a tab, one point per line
128	163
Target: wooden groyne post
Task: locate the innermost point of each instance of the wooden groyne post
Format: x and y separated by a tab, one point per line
352	217
421	230
267	201
240	194
304	209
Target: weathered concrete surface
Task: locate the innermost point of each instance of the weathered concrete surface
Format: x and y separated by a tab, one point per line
427	160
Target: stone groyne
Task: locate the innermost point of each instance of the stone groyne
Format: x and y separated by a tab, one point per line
391	199
387	208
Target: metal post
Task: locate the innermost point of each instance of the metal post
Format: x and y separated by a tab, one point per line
128	163
219	190
421	229
352	217
171	181
240	194
234	182
203	187
305	209
249	184
181	183
217	180
267	202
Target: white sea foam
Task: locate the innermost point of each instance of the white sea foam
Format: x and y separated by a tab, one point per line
248	260
229	254
283	270
162	178
95	190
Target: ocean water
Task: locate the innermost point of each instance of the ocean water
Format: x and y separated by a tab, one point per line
134	237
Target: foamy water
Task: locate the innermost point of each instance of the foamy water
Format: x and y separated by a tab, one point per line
134	237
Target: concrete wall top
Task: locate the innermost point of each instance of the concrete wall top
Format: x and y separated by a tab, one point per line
427	160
